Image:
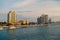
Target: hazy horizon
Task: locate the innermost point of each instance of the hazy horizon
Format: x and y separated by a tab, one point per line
30	9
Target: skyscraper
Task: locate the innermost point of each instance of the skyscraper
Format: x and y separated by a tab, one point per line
45	19
50	20
39	20
42	19
11	17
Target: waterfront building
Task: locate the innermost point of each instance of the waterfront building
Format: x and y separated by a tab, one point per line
43	19
50	20
25	22
22	22
19	22
11	17
39	20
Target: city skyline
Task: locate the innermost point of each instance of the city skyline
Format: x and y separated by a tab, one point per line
30	9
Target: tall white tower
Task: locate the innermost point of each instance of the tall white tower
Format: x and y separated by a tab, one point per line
11	17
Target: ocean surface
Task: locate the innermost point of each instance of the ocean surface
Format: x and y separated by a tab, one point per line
49	32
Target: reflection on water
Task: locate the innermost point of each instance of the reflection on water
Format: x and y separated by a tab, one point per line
34	33
11	35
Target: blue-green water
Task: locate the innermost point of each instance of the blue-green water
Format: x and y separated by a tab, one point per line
50	32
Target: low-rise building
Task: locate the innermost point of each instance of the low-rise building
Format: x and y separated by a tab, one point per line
22	22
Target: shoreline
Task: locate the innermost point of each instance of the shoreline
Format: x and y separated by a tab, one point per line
12	27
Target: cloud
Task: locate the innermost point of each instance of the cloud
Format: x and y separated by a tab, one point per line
52	9
37	7
23	3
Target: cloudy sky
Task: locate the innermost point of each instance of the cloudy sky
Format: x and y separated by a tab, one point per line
30	9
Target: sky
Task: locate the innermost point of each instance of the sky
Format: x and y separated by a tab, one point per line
30	9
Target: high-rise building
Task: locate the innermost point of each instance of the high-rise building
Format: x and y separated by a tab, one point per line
11	17
39	20
43	19
50	20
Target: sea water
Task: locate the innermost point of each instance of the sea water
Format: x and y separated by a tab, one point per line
49	32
